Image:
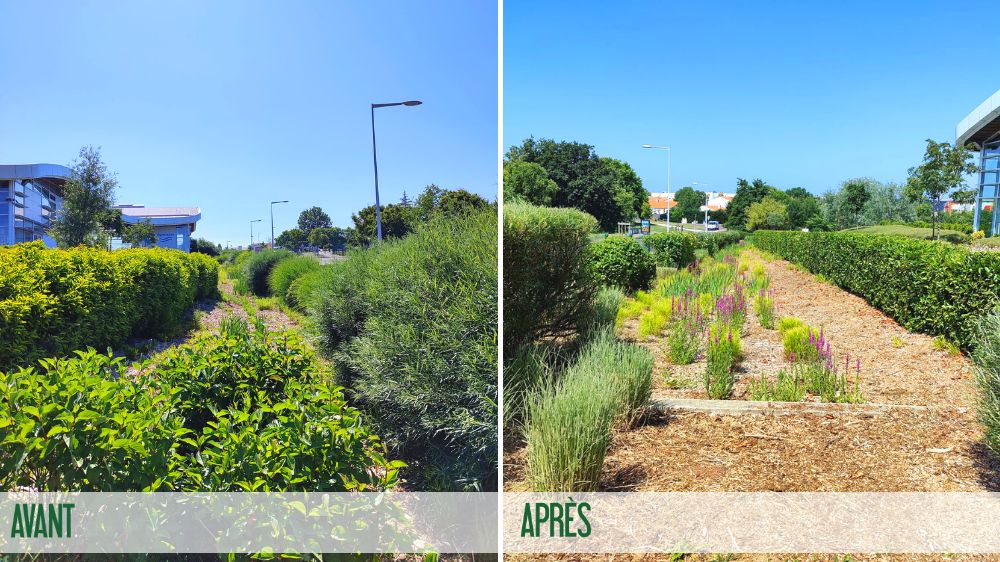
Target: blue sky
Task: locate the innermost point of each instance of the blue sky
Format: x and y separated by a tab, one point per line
796	93
227	105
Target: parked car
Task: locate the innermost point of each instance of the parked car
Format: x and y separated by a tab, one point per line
712	225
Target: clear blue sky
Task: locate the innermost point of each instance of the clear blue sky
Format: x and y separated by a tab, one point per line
227	105
796	93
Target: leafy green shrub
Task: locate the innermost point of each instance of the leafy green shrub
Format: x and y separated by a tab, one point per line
76	425
620	261
786	323
547	287
413	326
986	358
928	287
258	267
287	271
53	302
712	242
672	249
302	291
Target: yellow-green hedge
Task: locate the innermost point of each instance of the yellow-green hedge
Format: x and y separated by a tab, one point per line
53	302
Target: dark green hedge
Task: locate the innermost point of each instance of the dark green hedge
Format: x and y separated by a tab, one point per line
930	287
712	242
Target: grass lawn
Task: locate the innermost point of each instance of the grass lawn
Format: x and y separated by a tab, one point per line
913	232
992	243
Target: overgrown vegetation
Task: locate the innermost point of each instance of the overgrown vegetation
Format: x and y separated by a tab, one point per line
247	411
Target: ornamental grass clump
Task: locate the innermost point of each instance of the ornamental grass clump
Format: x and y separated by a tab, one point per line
788	388
603	312
569	423
986	358
764	305
686	330
723	355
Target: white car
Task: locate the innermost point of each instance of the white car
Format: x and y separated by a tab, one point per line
712	225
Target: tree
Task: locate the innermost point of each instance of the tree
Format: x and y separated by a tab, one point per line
801	206
627	190
328	238
405	201
529	182
313	217
293	238
206	247
455	202
944	168
397	222
767	214
427	202
747	194
855	194
88	196
140	233
689	203
798	193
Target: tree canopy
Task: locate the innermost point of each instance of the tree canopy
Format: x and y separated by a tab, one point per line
689	203
767	214
313	217
528	182
88	198
606	188
747	193
943	169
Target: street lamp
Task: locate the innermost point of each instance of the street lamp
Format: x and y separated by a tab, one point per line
378	207
706	202
251	232
272	221
667	148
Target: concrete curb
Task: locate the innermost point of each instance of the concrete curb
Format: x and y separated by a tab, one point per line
749	407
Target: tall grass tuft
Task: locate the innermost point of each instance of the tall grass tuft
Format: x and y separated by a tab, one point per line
603	312
288	270
525	375
764	305
788	388
986	357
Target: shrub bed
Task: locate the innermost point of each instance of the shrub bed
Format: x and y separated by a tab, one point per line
928	287
53	302
257	268
413	326
243	411
712	243
621	261
547	283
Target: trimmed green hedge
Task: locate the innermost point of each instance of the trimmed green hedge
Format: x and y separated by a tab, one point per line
547	284
53	302
621	261
672	249
930	287
713	242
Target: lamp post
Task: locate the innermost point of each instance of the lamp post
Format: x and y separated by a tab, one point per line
251	232
378	206
706	201
272	221
667	148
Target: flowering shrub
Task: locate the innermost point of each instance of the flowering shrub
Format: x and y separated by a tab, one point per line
686	330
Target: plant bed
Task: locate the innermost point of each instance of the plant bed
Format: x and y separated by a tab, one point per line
897	367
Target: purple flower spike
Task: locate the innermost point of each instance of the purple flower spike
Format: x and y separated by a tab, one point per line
859	365
792	356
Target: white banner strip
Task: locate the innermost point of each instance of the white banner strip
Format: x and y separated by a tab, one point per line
394	522
768	522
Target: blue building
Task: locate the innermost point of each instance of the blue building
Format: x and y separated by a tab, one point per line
173	225
982	129
30	196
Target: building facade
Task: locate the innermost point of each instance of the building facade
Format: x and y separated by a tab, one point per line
981	128
173	225
30	197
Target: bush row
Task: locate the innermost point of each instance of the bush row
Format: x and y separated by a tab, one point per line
247	411
412	324
929	287
53	302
